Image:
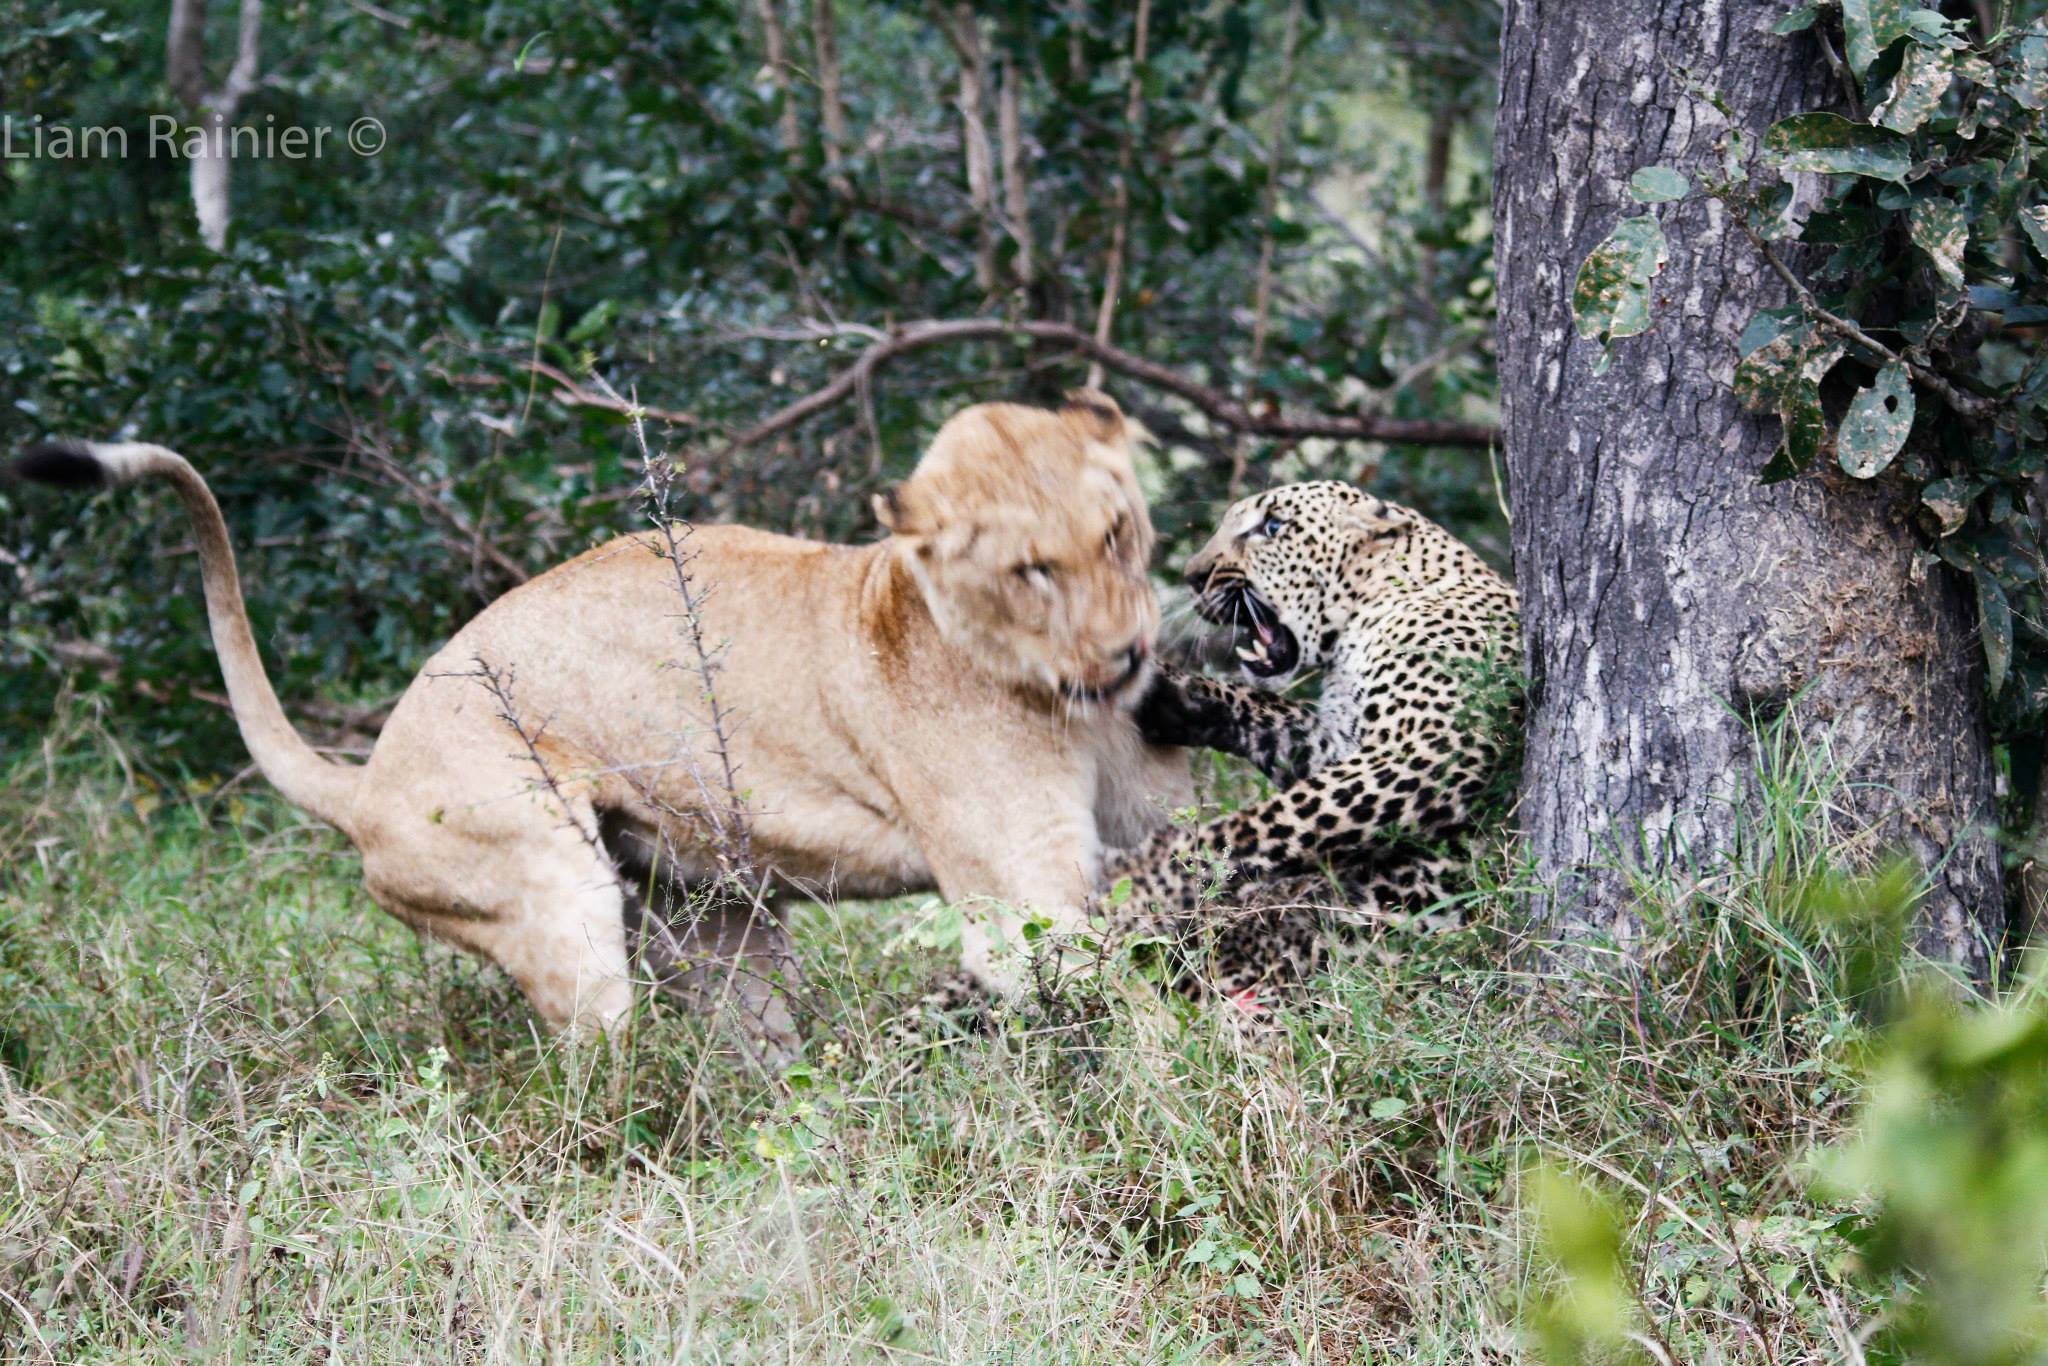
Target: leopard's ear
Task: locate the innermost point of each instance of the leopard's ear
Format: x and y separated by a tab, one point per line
1369	519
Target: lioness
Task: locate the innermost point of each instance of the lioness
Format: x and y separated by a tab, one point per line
946	707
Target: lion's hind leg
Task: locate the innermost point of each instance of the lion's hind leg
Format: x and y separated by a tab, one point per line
510	869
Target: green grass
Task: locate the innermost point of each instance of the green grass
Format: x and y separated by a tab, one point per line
246	1116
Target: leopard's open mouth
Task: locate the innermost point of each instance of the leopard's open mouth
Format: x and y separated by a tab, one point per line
1264	645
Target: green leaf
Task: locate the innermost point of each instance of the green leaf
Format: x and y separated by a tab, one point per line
2034	220
2029	85
1798	21
1994	614
1783	375
1658	184
1587	1314
594	323
1833	145
1875	428
1924	77
1938	228
1798	356
1388	1107
1949	501
1612	297
1806	423
1872	26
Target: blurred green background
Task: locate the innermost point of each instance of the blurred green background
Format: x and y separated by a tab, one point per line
640	193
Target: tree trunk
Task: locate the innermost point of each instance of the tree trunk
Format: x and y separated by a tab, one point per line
1671	602
214	111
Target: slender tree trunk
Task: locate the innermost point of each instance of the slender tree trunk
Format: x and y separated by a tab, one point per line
1120	189
1016	181
1671	601
831	96
1269	204
1436	183
962	27
213	110
776	41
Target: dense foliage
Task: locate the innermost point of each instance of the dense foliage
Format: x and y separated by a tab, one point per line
389	371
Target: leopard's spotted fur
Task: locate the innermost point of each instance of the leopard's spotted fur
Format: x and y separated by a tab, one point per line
1377	783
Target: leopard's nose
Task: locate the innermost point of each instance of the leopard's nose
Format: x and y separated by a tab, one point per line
1198	577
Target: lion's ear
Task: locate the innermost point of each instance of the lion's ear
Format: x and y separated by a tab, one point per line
895	513
907	511
1095	415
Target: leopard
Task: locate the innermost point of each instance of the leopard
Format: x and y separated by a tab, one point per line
1374	786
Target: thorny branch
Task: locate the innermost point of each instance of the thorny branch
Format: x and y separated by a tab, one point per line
732	831
499	684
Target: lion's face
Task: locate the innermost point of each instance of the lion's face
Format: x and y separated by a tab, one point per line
1275	570
1028	537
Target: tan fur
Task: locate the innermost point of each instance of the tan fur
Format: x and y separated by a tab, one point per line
906	715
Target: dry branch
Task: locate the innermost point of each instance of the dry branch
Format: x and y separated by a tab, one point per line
571	394
1213	403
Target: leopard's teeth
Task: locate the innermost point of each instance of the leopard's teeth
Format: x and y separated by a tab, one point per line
1250	655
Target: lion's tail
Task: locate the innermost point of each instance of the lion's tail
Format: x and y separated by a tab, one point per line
325	789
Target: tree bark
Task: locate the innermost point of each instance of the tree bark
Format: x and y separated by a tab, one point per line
1673	605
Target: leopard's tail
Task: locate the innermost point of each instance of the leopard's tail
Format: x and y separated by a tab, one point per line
327	790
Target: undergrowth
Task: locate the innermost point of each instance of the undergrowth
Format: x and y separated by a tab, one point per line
247	1116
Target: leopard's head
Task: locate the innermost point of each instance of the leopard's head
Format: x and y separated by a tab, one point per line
1279	569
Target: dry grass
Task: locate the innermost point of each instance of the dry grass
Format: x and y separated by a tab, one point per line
245	1116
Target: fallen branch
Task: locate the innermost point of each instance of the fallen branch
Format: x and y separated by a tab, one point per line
1217	406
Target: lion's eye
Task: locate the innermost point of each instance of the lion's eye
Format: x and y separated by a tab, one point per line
1038	572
